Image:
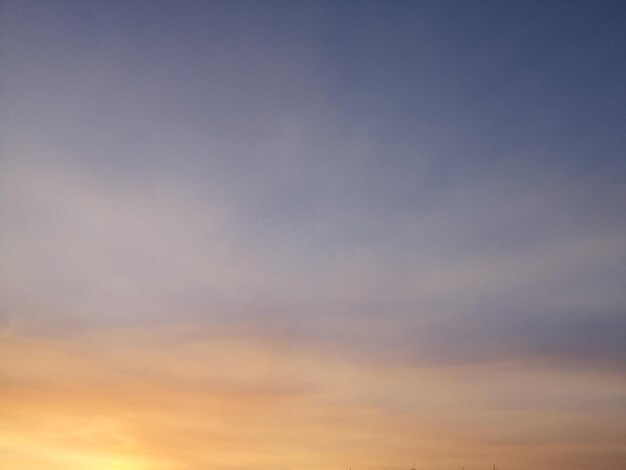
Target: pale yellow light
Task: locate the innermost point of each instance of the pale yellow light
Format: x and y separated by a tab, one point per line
119	466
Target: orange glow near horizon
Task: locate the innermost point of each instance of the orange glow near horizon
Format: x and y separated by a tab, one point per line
312	235
148	401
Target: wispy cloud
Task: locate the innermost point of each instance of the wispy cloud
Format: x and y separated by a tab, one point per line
143	396
312	235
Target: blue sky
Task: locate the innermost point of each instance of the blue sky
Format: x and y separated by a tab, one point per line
422	183
411	145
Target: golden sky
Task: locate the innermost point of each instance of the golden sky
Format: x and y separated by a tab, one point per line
184	398
312	235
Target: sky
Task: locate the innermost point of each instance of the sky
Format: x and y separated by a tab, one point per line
293	235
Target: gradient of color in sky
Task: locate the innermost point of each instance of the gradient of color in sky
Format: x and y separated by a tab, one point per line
313	235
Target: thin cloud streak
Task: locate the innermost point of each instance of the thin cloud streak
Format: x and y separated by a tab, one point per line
99	254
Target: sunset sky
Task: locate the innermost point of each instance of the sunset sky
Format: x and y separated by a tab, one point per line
312	235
